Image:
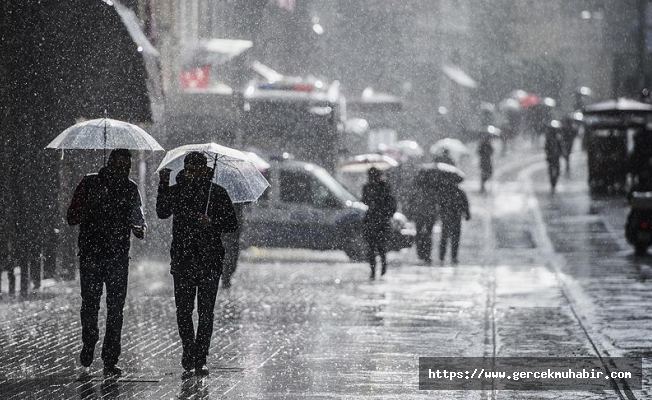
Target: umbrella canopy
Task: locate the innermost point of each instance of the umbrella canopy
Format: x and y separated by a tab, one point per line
364	162
104	133
618	106
454	146
234	170
437	173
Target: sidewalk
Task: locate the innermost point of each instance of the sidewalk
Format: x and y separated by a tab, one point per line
301	324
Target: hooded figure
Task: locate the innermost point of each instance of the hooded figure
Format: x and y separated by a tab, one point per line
202	211
108	208
377	195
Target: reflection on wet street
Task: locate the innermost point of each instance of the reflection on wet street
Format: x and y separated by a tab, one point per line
538	276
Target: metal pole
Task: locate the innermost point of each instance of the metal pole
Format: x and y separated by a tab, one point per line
105	113
642	45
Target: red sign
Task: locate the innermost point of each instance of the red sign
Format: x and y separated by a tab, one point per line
196	78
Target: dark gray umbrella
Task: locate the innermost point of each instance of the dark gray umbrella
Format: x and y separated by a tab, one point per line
437	173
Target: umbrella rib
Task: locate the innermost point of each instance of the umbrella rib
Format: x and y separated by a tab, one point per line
244	178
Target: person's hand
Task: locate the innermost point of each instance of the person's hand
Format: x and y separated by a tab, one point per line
204	219
139	231
468	217
164	175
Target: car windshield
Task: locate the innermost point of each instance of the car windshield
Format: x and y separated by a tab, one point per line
333	185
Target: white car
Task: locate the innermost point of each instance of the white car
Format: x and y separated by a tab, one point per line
306	207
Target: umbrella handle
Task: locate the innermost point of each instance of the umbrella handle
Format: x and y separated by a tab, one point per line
105	114
210	185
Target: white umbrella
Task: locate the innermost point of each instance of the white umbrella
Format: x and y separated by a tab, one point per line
454	146
104	133
234	170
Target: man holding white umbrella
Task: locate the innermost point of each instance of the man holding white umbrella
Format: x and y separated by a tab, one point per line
208	179
107	206
202	211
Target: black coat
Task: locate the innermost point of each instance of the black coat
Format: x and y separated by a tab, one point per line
382	205
106	206
196	247
453	203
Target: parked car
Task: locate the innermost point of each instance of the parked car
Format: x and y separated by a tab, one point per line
306	207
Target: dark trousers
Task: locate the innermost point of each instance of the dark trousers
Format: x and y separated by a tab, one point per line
451	227
424	237
553	171
376	237
187	287
93	276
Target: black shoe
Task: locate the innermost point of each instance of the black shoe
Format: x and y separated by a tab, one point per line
201	370
383	271
187	374
111	371
86	356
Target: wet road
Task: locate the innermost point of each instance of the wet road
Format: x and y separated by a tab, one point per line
538	276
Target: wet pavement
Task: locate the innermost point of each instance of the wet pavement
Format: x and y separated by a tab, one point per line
538	276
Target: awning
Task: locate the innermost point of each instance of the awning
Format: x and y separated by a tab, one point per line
460	77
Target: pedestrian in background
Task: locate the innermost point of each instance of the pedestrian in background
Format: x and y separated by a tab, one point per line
553	149
108	208
422	209
485	151
568	134
377	195
202	211
7	264
453	205
231	242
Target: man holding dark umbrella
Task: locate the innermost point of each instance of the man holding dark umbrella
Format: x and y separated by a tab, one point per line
453	205
107	206
202	212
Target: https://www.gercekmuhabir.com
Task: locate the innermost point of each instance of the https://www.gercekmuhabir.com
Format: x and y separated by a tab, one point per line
528	373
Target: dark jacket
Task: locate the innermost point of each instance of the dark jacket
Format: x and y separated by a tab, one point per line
106	205
382	204
421	204
453	203
195	245
553	147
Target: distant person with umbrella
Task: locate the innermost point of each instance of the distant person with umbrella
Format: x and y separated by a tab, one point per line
377	195
422	209
453	205
202	211
108	208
